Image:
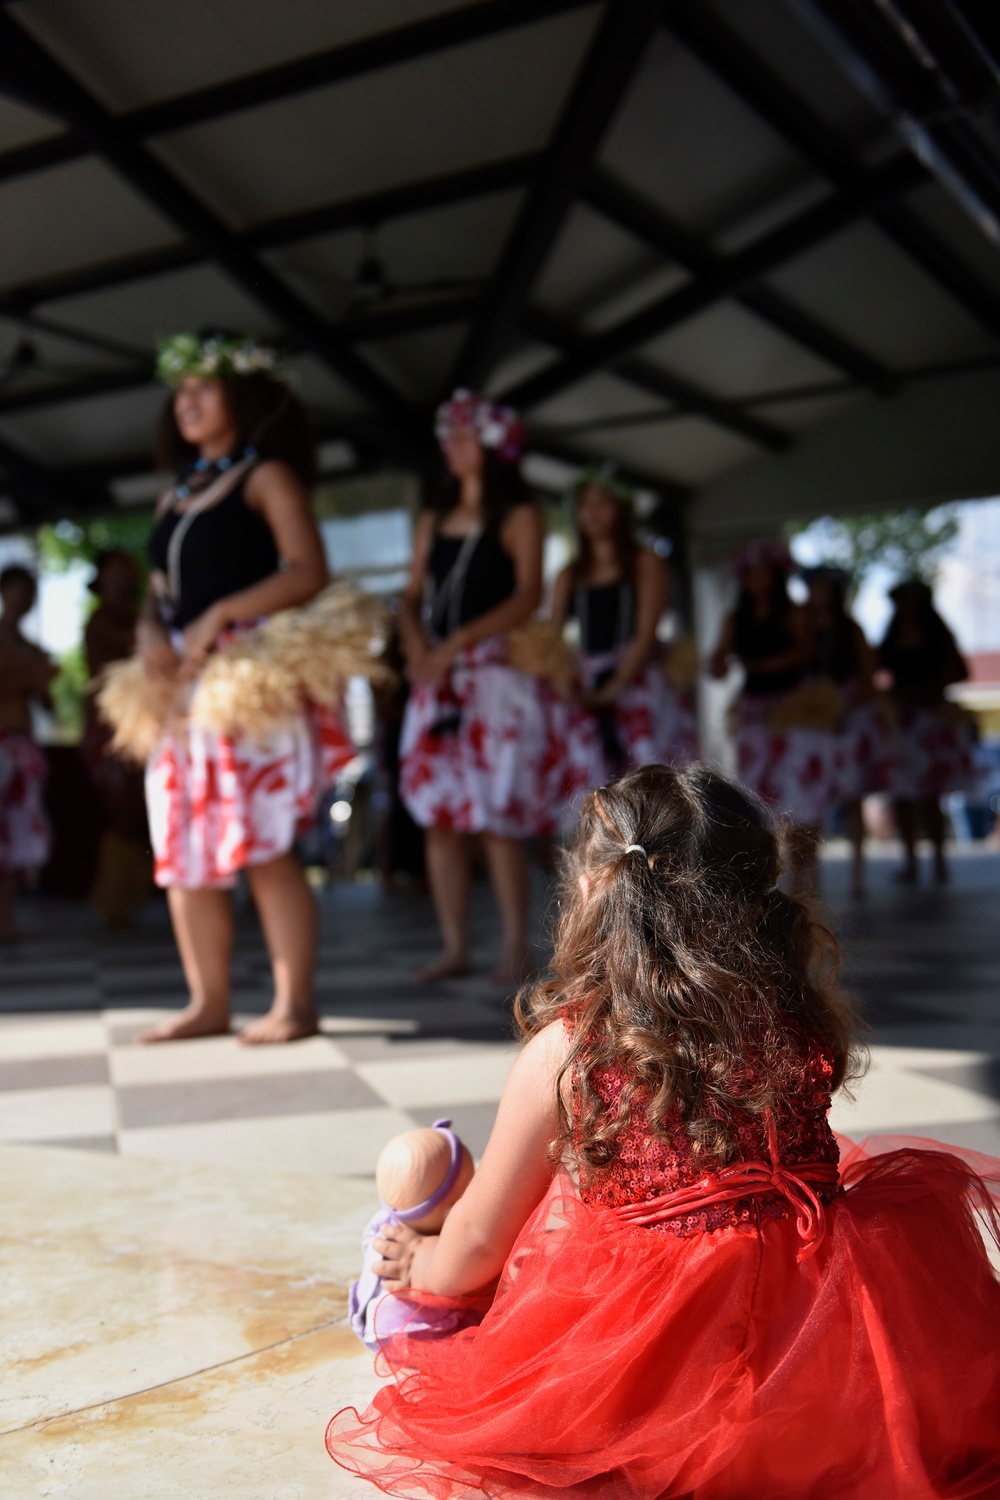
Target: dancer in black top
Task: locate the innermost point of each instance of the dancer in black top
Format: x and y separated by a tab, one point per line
475	752
931	750
618	591
234	541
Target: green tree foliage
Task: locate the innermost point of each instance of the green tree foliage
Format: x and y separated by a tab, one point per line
909	543
69	542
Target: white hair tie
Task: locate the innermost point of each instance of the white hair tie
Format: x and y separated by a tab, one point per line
635	849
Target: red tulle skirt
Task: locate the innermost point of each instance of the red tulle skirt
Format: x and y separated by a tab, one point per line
632	1364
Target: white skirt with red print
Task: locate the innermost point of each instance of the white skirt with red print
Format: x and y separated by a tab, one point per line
480	752
793	770
649	723
218	803
864	750
24	826
931	753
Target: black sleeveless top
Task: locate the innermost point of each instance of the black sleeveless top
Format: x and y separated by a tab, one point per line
462	588
757	639
606	615
228	547
837	652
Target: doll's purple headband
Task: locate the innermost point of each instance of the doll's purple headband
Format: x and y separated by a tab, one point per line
497	427
418	1211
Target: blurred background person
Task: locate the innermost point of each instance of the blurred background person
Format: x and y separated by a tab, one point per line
930	750
475	747
785	745
26	675
844	658
617	590
124	861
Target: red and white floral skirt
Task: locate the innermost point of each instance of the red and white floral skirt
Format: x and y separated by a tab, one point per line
649	723
794	770
864	750
24	826
931	753
480	752
218	803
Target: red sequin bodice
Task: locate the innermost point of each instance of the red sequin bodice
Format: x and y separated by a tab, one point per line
647	1165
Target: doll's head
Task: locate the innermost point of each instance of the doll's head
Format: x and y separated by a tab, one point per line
423	1170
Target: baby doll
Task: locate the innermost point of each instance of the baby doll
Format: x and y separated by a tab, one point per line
419	1175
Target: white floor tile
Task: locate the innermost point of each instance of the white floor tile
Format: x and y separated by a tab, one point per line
475	1076
220	1057
57	1114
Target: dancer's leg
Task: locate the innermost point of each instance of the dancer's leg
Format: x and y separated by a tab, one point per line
932	815
288	916
448	870
905	813
203	927
854	818
508	862
9	929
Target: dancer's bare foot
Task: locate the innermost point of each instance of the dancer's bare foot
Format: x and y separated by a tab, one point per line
279	1026
512	970
448	966
192	1021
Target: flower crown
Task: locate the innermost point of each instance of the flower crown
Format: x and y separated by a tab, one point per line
497	427
763	554
605	477
219	356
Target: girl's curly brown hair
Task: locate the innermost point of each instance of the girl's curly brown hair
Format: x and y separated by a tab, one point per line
685	965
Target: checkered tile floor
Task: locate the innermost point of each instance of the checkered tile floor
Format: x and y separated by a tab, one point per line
926	964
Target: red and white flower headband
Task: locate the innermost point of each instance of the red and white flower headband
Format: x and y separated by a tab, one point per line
497	427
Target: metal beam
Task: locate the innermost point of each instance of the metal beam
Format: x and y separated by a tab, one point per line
469	23
33	486
770	97
682	394
20	55
732	275
612	60
369	209
901	79
648	223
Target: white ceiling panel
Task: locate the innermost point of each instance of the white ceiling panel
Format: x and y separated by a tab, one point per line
801	414
733	353
591	260
943	215
595	399
418	364
69	215
102	427
693	147
19	125
132	54
687	450
464	106
878	297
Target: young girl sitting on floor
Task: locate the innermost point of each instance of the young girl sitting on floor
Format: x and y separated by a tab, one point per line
700	1295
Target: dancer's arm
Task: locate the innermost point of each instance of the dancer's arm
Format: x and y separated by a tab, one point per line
276	493
562	596
515	1171
652	596
521	537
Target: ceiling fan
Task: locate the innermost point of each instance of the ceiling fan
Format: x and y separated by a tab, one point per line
371	286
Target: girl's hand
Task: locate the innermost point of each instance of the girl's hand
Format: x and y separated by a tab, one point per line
200	638
158	657
437	662
397	1246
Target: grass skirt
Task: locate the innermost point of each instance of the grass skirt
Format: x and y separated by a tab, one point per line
621	1363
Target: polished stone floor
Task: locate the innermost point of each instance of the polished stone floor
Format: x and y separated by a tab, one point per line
180	1223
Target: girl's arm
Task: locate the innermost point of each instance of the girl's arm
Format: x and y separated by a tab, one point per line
275	491
652	595
521	538
718	664
562	598
515	1172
